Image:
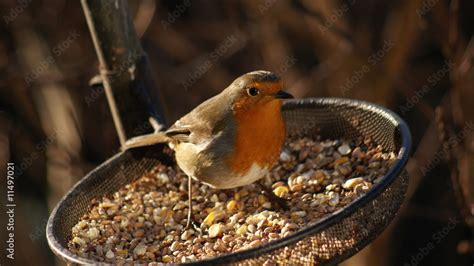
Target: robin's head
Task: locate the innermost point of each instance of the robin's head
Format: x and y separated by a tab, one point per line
257	89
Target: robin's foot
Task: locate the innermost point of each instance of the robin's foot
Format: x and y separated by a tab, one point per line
191	224
282	203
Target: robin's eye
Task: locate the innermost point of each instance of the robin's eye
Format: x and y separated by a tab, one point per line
253	91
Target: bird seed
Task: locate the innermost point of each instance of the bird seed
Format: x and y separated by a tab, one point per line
144	221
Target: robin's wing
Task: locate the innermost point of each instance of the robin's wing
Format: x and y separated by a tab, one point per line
202	123
146	140
179	132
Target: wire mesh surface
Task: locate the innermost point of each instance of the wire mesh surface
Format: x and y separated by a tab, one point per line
331	240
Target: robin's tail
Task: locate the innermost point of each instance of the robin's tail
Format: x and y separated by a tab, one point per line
146	140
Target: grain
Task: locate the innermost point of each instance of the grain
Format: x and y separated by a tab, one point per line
144	221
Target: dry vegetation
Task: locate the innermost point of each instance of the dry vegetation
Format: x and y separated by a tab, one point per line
415	57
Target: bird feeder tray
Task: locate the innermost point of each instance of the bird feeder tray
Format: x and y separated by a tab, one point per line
329	241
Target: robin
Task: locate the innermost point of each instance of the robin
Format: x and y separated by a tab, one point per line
233	139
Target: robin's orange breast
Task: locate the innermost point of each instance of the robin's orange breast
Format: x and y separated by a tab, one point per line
260	134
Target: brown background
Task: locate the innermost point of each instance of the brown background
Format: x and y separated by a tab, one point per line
414	57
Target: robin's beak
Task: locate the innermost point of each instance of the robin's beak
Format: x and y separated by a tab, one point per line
283	95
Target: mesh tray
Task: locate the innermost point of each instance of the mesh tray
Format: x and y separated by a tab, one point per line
330	241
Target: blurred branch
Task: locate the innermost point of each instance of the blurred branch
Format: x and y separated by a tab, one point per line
144	16
57	112
460	114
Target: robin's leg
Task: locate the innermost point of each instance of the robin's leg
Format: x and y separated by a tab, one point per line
190	221
282	203
190	201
